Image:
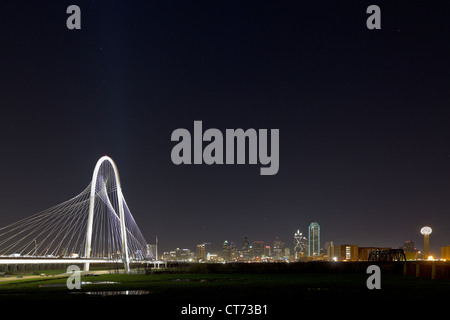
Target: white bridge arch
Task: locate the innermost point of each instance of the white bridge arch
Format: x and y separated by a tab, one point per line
94	191
94	226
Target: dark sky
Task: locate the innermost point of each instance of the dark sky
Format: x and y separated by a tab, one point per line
363	115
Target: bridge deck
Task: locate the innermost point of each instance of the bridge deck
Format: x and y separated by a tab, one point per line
69	261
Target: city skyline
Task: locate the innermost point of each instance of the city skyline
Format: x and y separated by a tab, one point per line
217	247
362	116
260	251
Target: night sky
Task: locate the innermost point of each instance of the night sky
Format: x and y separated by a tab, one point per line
363	115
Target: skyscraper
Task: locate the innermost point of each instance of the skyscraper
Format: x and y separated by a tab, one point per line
226	251
314	240
278	249
151	251
267	251
300	245
327	248
246	253
233	251
201	252
258	249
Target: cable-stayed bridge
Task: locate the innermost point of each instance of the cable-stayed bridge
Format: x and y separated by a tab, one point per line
96	226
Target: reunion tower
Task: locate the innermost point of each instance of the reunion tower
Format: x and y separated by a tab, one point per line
426	238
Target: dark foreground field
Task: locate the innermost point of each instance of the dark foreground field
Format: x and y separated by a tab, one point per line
170	292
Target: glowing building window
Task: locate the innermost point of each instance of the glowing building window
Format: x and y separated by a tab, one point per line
348	253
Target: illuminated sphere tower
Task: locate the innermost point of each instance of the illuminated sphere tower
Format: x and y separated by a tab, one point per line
426	238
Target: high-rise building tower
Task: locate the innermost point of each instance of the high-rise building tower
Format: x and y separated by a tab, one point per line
233	251
201	252
278	249
426	240
297	245
258	249
151	249
300	245
226	251
267	251
314	240
327	248
246	253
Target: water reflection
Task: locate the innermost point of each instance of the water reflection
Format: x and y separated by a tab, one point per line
118	293
82	283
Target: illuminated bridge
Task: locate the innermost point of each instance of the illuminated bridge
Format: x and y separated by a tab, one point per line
95	226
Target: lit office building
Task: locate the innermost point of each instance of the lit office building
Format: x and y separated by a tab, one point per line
267	251
314	240
183	255
226	251
286	253
300	246
246	252
445	253
278	249
327	248
258	249
234	253
346	252
152	251
201	252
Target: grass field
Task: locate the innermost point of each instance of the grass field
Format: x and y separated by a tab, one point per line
215	287
283	293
